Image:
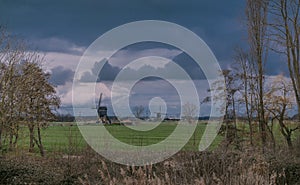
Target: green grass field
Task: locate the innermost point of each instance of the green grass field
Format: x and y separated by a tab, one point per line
244	128
56	139
69	138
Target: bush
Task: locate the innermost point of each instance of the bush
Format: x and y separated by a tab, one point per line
216	167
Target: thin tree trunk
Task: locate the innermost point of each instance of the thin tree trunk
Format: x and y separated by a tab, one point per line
272	135
39	141
16	135
251	132
40	144
261	107
226	122
249	115
287	133
11	137
234	117
0	138
31	138
289	141
252	105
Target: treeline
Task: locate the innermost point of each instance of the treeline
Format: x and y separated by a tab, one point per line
64	118
26	96
273	28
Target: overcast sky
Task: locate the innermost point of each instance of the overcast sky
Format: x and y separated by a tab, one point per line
64	29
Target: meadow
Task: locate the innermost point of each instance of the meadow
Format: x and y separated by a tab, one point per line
59	137
67	137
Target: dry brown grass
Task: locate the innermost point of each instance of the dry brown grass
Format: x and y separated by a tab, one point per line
221	167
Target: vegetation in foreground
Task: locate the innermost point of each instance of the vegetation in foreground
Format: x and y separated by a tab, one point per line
224	165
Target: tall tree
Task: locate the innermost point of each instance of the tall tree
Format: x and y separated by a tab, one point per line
245	72
285	36
256	12
38	98
11	54
230	104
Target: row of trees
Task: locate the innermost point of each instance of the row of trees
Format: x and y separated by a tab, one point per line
26	96
243	103
273	26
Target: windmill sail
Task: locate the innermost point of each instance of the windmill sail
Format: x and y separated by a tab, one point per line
100	99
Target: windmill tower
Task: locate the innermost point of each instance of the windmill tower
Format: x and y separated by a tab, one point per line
102	112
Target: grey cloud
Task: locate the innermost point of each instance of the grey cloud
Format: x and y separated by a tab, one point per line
88	77
189	65
61	75
110	72
107	73
66	26
81	22
58	45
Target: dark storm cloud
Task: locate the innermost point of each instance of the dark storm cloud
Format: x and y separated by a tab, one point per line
116	63
276	65
61	75
107	73
70	26
189	65
81	22
110	72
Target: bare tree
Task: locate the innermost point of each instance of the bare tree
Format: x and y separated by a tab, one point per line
230	108
189	112
138	111
230	104
11	54
278	100
244	70
256	12
285	36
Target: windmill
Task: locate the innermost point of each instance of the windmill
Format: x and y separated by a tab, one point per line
102	112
